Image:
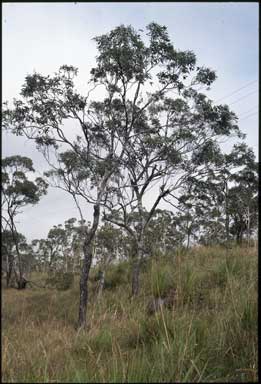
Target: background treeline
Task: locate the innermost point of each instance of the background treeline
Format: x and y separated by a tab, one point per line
220	211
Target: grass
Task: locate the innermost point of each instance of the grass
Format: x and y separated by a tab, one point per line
210	335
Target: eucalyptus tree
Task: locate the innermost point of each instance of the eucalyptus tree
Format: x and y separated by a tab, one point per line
41	255
164	233
73	244
175	129
240	156
150	125
107	248
243	200
56	243
212	202
8	251
231	192
18	191
9	261
60	250
82	159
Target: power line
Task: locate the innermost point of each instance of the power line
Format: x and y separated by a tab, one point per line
243	97
236	91
251	114
249	110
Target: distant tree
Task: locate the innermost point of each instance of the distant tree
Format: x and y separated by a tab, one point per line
219	204
18	191
73	245
243	200
164	233
192	205
41	255
51	251
107	249
61	250
8	251
56	242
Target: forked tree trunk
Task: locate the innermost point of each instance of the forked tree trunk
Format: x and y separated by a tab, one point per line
87	262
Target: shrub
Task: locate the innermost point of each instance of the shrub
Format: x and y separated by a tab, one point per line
249	316
115	276
102	341
157	327
189	284
61	280
162	280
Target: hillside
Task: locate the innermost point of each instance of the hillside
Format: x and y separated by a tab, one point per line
209	335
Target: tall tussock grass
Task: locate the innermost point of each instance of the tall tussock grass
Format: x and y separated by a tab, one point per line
209	335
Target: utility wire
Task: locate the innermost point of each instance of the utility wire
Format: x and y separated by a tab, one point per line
249	110
236	91
251	114
243	97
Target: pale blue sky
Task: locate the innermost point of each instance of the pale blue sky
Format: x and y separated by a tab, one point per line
43	36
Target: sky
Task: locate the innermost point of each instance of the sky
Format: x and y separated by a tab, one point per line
43	36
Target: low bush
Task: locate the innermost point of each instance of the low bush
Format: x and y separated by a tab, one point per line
62	281
115	276
162	280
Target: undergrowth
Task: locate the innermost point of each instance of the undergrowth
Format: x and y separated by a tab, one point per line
210	335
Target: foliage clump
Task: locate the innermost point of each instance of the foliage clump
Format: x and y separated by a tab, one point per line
162	281
62	281
116	276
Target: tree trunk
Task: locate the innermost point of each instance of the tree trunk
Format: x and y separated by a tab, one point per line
188	238
73	264
226	212
239	235
164	240
139	250
9	269
136	268
19	278
84	284
87	261
66	261
136	277
22	283
248	227
188	230
101	284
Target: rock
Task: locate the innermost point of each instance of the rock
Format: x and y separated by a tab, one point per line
154	305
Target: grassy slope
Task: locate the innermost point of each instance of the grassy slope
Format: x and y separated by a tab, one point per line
211	334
